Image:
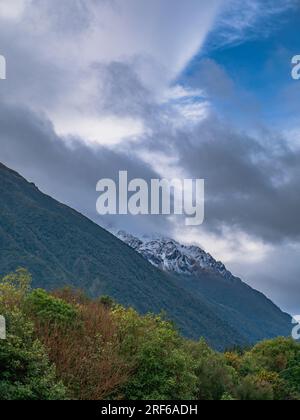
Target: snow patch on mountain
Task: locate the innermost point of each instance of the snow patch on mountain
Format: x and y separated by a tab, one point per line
169	255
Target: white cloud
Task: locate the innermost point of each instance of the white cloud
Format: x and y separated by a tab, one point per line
155	38
94	130
158	37
249	19
190	106
193	112
166	33
12	9
178	92
230	247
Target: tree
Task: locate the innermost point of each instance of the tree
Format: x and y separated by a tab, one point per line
13	289
215	379
47	308
25	371
254	388
275	362
162	369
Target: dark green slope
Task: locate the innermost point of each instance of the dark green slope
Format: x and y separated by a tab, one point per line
240	306
61	247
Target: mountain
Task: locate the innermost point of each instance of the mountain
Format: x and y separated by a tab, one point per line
171	256
243	308
59	246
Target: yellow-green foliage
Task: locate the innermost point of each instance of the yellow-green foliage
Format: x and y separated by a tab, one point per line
13	288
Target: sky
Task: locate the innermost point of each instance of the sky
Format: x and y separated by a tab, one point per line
194	88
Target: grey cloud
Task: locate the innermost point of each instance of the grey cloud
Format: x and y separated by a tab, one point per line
66	17
121	91
32	80
250	184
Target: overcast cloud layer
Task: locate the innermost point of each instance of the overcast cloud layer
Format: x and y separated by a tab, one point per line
98	86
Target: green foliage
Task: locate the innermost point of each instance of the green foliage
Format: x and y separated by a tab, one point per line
25	371
275	355
214	377
279	359
66	345
49	308
163	370
292	375
227	397
107	301
252	388
14	287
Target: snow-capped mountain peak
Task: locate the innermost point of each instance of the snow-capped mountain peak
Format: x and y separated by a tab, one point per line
169	255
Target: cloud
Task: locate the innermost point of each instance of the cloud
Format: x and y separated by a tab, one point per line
250	19
13	10
230	246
